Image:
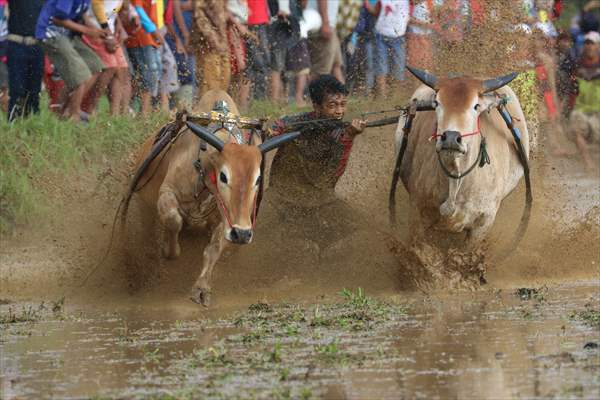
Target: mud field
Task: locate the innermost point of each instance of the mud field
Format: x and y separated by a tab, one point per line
324	304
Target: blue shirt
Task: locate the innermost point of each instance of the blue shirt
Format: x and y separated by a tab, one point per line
61	9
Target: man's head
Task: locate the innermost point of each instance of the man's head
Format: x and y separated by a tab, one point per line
328	96
564	41
591	47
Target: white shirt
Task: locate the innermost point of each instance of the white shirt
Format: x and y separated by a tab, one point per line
393	18
332	10
111	8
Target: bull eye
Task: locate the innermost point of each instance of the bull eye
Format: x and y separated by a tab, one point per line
434	103
477	106
258	178
223	177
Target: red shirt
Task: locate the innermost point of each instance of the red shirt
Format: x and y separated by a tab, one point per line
258	12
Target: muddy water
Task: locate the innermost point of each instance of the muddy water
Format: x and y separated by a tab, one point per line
490	344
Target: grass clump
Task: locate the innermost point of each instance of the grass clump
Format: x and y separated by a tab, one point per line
589	316
43	146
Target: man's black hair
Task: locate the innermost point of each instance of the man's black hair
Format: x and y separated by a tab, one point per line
323	85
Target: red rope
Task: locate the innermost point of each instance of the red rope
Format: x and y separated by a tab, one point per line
435	135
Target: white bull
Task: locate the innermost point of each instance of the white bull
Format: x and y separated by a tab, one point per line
448	141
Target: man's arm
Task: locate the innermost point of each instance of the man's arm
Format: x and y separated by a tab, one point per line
80	28
326	31
180	21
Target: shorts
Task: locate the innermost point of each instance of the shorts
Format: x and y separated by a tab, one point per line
586	124
146	65
390	56
257	54
110	60
324	53
298	57
169	81
73	60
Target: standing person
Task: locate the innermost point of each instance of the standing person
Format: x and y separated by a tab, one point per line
361	47
142	46
104	15
585	117
325	47
347	18
168	79
58	28
420	35
209	40
258	53
186	60
390	42
237	35
3	68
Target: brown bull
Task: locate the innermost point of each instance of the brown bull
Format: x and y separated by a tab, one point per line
214	187
461	160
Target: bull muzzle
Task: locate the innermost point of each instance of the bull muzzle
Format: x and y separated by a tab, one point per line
239	236
452	141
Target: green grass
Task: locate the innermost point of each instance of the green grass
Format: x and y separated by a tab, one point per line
43	146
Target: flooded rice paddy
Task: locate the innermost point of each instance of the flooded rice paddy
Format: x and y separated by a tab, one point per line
529	343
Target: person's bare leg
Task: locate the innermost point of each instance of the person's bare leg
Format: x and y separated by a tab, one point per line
116	90
380	86
336	71
301	80
276	86
244	95
73	105
164	102
127	91
582	146
90	101
145	102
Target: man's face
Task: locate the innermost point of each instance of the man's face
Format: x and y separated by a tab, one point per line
591	49
333	106
564	44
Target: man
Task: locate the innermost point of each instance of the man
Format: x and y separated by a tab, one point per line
209	39
585	117
325	48
59	29
318	158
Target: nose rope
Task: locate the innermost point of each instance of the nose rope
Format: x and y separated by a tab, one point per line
435	135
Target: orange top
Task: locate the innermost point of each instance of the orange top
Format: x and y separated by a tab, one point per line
141	38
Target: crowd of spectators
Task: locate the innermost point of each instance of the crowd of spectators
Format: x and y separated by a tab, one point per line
150	54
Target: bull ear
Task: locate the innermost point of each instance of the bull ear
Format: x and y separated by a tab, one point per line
277	141
206	135
425	77
496	83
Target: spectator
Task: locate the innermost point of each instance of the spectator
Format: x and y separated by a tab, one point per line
168	79
186	61
258	54
390	52
58	23
325	48
420	33
25	59
566	84
288	52
142	46
347	19
237	34
362	45
209	37
104	15
3	67
585	118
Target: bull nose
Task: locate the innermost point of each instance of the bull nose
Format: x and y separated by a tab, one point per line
241	236
451	140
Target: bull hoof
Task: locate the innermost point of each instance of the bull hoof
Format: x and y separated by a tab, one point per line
201	296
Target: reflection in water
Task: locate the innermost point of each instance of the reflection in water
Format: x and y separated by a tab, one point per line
482	345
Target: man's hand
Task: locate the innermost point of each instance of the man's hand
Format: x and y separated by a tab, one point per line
356	127
326	31
111	43
95	33
158	37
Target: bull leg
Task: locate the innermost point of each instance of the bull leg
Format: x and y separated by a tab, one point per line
201	291
172	222
448	208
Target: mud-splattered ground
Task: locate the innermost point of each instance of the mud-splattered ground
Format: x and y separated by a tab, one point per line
493	344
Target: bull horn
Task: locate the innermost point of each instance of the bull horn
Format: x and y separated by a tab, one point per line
496	83
206	135
425	77
277	141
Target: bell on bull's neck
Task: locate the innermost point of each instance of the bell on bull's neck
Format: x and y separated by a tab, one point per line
221	106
